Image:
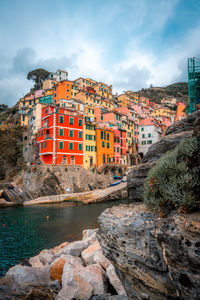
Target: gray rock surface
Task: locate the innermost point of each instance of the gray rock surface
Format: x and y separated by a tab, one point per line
154	258
174	135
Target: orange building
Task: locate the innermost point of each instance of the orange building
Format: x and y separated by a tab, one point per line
105	146
180	111
62	90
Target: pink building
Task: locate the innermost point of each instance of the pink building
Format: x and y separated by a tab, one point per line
120	146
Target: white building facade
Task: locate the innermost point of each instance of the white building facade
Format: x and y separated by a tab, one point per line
149	134
59	75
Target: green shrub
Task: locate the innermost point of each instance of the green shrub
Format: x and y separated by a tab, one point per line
175	181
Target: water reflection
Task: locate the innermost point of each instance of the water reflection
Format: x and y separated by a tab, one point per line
27	230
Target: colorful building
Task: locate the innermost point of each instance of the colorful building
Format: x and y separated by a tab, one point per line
162	112
61	136
128	98
120	146
27	103
149	133
59	75
180	111
105	145
48	84
90	144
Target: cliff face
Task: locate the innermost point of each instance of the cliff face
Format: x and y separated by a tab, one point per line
155	258
41	180
172	138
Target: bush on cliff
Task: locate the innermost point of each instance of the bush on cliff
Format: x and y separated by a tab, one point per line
175	181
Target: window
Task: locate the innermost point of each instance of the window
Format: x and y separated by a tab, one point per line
55	95
41	145
104	158
80	122
150	141
60	145
142	129
117	150
71	121
143	135
42	132
46	110
61	119
71	133
149	134
68	90
45	144
108	145
79	146
103	144
61	131
80	134
39	133
102	135
70	146
107	136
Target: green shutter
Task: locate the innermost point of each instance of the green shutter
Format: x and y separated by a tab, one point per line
61	119
80	134
61	145
70	146
79	146
61	131
71	133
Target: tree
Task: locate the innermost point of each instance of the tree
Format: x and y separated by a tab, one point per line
38	76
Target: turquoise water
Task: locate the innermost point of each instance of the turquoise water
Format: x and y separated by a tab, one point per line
25	231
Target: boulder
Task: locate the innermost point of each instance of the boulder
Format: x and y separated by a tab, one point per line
114	280
93	274
56	270
101	259
89	236
20	277
45	256
77	289
74	248
89	253
36	262
58	248
154	258
87	233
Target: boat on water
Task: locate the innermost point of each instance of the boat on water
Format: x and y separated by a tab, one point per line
116	183
115	177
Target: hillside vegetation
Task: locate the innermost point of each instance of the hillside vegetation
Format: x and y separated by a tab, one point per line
177	90
11	142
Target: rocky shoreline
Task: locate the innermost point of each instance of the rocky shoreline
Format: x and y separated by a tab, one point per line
76	270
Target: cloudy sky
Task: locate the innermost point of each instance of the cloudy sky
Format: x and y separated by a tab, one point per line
127	43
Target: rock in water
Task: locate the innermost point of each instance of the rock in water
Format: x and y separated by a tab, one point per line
154	258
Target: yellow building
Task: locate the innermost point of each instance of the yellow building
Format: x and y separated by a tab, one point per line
163	112
94	100
84	82
128	98
48	84
90	144
24	105
104	90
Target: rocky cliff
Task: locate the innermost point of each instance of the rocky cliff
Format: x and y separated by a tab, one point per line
39	181
172	138
157	259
